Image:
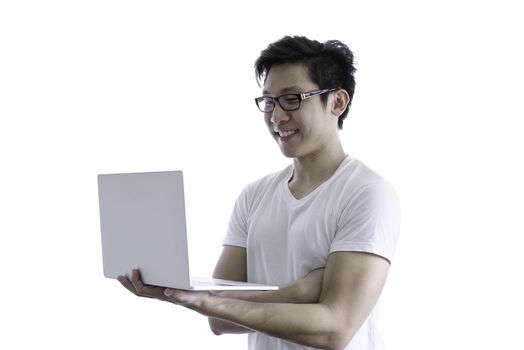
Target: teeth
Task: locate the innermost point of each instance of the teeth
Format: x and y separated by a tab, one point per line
286	133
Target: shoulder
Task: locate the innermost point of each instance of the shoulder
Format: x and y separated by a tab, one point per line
359	174
368	216
357	181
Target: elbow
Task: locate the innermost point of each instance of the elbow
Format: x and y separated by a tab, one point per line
339	338
214	325
304	294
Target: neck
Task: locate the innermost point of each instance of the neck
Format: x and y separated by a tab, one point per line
318	167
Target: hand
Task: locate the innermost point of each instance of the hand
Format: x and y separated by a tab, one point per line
176	296
137	287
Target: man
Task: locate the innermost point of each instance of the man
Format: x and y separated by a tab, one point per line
324	228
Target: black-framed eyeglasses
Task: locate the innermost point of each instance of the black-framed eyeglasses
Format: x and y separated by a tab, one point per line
288	102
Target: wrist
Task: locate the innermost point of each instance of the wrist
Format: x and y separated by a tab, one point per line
206	303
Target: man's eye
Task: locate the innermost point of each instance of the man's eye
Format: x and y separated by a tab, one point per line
290	99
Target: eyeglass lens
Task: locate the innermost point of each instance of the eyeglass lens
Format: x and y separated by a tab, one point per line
287	102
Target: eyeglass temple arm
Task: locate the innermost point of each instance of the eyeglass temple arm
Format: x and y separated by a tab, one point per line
305	95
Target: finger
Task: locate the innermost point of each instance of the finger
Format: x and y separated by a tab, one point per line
145	290
136	280
138	285
127	284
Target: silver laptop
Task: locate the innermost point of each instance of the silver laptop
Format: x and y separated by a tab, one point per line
143	225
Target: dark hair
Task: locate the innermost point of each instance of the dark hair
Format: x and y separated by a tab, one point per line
330	64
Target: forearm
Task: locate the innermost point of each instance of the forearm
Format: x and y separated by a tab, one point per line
313	325
283	295
304	290
219	326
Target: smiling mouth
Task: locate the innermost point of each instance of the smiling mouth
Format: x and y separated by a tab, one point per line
286	133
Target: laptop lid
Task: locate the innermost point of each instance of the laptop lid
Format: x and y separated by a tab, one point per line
143	224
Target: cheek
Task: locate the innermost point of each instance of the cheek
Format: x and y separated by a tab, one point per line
267	121
314	131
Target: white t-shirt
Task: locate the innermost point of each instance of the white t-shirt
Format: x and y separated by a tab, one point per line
285	238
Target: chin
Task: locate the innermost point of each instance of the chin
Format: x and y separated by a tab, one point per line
288	153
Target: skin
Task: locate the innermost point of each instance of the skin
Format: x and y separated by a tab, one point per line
327	307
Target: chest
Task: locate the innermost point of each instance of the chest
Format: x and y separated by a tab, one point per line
292	236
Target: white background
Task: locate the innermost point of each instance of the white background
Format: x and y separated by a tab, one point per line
89	87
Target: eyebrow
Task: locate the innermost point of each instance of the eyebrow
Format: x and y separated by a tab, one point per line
294	89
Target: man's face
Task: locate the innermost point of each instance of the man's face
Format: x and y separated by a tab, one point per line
303	132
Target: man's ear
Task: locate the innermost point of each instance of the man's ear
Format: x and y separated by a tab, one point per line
340	102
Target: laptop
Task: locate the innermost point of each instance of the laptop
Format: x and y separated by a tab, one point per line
143	225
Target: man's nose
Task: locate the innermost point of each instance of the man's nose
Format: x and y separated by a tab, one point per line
279	115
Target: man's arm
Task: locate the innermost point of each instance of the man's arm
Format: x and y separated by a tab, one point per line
232	265
351	287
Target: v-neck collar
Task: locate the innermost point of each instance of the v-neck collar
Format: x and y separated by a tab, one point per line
291	171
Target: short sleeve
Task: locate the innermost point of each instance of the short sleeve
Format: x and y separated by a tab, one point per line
237	230
369	222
